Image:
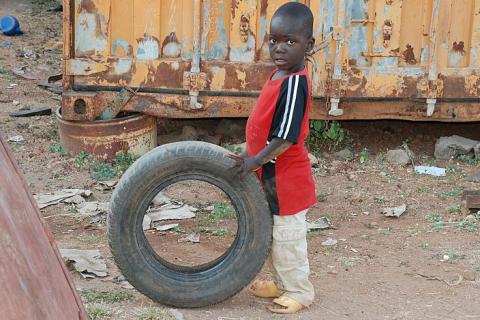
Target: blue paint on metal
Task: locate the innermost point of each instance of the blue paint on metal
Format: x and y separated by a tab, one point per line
358	41
455	58
87	37
386	65
121	43
219	48
377	36
122	66
473	57
424	55
329	12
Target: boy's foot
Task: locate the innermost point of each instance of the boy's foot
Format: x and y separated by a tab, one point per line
289	305
264	289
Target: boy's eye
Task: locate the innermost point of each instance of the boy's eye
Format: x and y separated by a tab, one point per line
291	42
273	41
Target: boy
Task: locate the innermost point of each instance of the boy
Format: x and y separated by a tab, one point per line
276	132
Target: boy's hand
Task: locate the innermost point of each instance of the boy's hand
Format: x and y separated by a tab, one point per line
244	165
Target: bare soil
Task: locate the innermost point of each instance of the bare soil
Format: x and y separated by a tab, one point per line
381	268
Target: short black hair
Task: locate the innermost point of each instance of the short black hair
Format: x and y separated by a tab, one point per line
298	12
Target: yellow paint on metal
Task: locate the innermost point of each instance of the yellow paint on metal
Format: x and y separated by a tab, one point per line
403	49
218	79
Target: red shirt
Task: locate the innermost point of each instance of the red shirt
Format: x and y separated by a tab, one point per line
281	112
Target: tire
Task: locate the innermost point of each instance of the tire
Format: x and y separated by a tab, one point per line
174	285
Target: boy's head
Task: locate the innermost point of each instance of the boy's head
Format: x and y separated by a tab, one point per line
291	36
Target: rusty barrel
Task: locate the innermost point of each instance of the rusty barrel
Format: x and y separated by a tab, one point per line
135	133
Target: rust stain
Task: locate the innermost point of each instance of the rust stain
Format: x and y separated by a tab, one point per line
352	62
459	47
263	8
409	55
87	6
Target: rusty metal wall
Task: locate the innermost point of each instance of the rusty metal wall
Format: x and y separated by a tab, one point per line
202	58
35	281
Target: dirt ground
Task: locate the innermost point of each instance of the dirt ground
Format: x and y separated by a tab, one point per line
423	265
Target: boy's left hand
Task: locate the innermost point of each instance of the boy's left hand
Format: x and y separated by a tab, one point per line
244	165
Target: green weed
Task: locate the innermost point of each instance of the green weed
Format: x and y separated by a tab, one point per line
424	245
327	133
422	190
455	209
364	155
107	171
469	224
217	232
436	222
96	296
474	161
82	158
98	311
378	200
322	197
58	148
153	313
455	192
222	210
349	262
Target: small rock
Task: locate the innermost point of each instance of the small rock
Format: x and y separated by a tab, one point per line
447	148
345	154
469	275
313	160
230	128
147	223
398	156
395	212
189	133
15	102
329	242
474	177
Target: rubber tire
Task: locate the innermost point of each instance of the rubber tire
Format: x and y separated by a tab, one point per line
174	285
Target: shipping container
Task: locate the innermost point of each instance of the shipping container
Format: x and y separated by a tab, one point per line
375	59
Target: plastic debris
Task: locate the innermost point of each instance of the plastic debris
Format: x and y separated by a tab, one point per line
194	238
433	171
89	263
329	242
18	138
47	199
319	224
10	26
395	212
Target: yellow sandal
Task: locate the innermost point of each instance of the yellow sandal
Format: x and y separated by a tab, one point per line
264	289
289	305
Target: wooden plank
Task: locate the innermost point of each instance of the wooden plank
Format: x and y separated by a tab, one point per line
35	282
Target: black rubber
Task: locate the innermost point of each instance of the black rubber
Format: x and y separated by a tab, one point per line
178	286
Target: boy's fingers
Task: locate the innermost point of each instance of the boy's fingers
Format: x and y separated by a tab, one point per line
234	157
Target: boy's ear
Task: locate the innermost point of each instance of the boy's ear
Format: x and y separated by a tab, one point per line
310	45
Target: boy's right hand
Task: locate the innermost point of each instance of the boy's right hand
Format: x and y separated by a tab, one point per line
244	165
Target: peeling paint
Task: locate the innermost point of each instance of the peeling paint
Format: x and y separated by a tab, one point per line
121	47
171	46
91	37
242	77
148	48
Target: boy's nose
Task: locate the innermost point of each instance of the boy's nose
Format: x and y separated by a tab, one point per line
280	48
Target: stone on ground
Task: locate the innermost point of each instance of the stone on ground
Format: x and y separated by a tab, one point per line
447	148
398	156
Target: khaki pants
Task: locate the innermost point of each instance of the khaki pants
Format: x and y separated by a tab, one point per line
289	257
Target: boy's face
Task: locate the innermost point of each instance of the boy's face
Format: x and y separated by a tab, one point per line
288	44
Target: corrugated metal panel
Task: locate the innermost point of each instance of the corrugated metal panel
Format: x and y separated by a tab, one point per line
422	50
35	282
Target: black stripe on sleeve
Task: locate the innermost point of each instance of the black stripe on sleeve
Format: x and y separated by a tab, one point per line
290	109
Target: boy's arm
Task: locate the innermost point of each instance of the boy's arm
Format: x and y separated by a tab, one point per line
245	164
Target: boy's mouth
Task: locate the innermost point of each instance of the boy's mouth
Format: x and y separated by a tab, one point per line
279	61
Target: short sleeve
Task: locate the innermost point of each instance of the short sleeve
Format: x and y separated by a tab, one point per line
290	109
